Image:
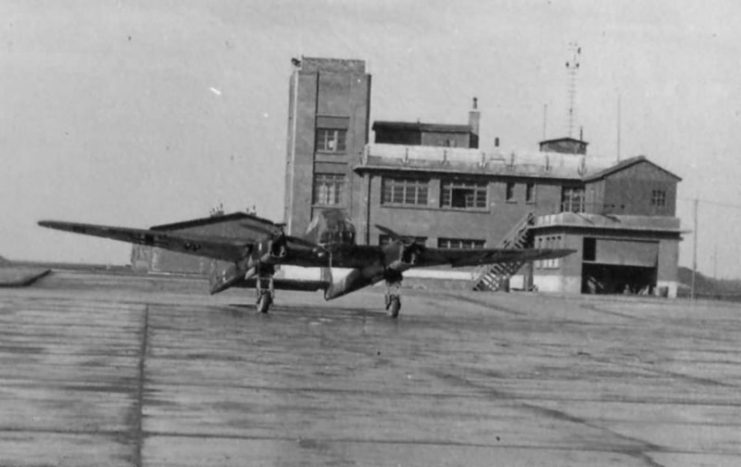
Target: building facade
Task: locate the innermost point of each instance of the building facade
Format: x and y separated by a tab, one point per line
619	219
328	125
431	181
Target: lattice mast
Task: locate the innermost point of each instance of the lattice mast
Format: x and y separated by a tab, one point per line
572	67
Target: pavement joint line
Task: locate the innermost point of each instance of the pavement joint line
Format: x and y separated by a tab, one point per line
139	400
671	374
477	395
59	431
418	442
596	309
638	451
487	305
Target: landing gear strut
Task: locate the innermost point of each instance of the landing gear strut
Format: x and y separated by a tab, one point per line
393	294
265	292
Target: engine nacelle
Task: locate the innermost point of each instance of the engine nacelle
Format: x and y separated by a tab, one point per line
407	257
272	251
278	248
410	254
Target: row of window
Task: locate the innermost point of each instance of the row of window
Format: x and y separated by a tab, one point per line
453	194
466	243
328	190
404	191
413	192
573	199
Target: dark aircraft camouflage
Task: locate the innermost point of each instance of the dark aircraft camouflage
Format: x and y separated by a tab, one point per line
329	244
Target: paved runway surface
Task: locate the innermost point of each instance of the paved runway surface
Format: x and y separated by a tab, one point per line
130	371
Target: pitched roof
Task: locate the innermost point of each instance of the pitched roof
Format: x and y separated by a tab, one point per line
209	221
624	164
567	138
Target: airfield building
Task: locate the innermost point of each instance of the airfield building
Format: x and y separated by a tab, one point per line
434	182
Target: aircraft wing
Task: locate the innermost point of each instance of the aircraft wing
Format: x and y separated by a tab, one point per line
226	249
477	257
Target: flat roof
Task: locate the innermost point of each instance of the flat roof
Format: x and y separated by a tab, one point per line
421	126
582	221
340	65
531	164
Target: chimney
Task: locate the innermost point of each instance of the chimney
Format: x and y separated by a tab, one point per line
474	117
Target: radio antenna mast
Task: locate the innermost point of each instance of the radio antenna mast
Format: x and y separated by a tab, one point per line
572	66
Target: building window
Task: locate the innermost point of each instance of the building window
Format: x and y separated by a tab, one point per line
466	243
658	198
549	243
330	140
328	189
530	192
463	195
385	240
590	249
572	199
539	263
404	191
509	194
554	263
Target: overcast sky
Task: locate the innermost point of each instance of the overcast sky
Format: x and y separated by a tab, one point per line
144	112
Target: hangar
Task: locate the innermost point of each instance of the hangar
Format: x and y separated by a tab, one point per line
152	259
433	181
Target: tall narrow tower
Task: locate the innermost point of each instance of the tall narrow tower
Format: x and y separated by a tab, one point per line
328	112
572	67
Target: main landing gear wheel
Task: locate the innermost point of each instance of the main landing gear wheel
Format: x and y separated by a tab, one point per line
393	305
265	292
264	300
393	292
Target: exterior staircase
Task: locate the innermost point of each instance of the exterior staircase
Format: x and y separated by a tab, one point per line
495	277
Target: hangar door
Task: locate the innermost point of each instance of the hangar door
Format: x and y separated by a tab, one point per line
619	266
